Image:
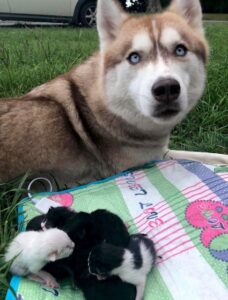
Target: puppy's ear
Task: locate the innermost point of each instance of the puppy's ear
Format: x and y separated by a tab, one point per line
191	10
110	15
50	212
52	256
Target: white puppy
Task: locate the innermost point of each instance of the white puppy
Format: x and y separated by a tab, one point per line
30	251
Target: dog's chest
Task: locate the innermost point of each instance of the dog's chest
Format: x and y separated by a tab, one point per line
125	157
114	159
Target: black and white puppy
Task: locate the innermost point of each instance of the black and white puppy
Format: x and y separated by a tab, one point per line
131	264
56	217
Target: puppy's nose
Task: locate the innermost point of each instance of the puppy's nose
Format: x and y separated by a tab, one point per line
166	90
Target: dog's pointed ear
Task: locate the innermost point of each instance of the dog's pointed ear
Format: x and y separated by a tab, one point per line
191	10
110	15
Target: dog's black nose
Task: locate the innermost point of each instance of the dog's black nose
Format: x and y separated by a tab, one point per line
166	90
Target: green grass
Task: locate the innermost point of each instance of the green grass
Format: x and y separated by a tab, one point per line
10	195
29	57
206	127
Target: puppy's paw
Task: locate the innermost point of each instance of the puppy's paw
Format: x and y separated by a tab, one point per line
52	283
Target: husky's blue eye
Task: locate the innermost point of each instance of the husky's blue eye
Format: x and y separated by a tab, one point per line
181	50
134	58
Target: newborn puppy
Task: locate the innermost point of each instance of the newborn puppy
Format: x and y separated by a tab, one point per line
56	217
78	226
110	228
80	229
104	226
31	251
88	230
131	264
36	223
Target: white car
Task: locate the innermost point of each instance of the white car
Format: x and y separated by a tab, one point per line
69	11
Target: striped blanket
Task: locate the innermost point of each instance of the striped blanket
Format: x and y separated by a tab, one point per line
181	205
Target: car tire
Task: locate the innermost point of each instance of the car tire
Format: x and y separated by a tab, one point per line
88	14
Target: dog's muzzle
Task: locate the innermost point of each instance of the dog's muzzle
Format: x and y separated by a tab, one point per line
166	92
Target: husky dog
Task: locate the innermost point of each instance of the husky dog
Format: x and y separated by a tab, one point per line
30	251
131	264
116	110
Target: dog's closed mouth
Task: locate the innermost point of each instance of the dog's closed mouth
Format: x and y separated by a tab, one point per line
166	112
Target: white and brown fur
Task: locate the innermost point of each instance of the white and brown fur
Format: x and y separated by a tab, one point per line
30	251
99	118
131	264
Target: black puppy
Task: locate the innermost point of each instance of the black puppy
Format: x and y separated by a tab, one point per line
110	228
101	225
110	289
80	230
88	230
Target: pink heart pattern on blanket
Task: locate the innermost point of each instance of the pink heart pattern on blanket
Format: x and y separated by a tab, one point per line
65	199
